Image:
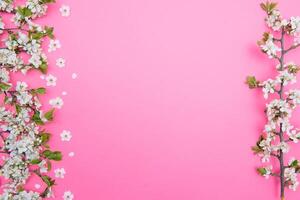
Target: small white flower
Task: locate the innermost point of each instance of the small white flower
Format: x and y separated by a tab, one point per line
270	48
35	60
283	146
294	135
43	166
268	87
286	77
65	10
68	195
60	173
53	45
74	76
273	20
278	111
60	62
71	154
290	173
295	24
290	176
65	135
51	80
293	97
294	186
56	102
270	127
265	157
297	39
21	86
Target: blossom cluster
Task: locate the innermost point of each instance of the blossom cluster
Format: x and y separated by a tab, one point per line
25	150
276	22
278	132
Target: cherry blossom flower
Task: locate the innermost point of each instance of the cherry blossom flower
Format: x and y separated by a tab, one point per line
53	45
68	195
60	173
268	87
274	20
65	10
74	76
60	62
294	135
71	154
51	80
66	135
270	48
56	102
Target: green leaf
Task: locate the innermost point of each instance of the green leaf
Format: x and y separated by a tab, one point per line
52	155
37	35
43	68
295	163
49	115
49	32
24	12
263	6
5	86
293	69
47	1
262	171
18	108
272	6
252	82
45	137
48	180
266	36
37	119
49	165
6	100
256	149
40	90
35	161
268	6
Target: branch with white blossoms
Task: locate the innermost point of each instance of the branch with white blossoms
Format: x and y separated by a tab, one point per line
278	132
24	143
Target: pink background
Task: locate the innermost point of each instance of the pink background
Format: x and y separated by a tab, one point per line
159	110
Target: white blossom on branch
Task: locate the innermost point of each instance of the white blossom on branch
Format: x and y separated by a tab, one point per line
278	132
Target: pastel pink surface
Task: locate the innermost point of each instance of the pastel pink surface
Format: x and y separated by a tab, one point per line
159	110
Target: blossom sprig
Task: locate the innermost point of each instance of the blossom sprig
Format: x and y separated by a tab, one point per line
278	132
25	147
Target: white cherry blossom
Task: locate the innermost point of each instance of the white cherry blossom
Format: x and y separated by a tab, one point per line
51	80
66	135
61	62
60	173
68	195
56	102
53	45
65	10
